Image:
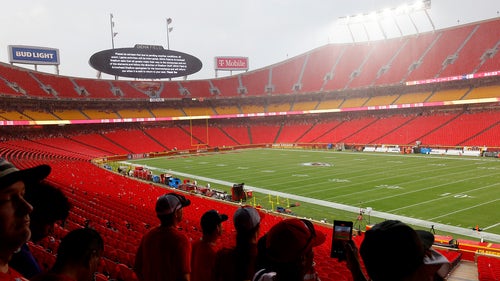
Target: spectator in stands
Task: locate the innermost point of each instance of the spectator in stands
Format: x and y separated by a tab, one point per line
165	253
78	257
393	251
204	250
14	212
50	205
286	251
238	263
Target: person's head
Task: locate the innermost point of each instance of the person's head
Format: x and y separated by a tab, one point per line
14	209
246	221
211	223
393	251
50	205
289	248
79	254
169	208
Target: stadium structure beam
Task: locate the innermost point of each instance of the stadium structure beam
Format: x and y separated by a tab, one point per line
169	29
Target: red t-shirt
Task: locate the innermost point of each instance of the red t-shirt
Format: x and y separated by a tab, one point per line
202	261
12	275
164	254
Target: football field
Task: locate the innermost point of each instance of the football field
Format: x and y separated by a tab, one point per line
455	194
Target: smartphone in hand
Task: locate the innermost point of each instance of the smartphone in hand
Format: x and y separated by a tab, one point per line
342	233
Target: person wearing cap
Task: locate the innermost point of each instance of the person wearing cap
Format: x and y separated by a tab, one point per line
204	250
393	251
78	257
238	263
287	251
50	205
164	253
14	212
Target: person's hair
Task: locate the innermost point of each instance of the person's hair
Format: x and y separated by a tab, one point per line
78	247
50	205
391	251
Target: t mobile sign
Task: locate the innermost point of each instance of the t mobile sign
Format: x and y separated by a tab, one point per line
231	63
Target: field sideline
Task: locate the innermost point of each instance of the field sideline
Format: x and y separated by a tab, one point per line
452	193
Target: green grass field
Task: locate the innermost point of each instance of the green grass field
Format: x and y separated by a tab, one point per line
453	191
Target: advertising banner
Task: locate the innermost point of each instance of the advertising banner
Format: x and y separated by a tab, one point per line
33	55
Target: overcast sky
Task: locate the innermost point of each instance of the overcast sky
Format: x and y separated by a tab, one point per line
266	31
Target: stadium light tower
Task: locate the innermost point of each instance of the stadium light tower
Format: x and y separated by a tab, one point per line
169	29
113	33
377	16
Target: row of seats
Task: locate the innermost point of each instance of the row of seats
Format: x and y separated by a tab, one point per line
456	128
327	103
449	52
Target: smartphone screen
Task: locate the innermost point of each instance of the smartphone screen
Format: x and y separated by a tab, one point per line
342	232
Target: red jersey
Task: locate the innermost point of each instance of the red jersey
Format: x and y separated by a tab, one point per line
164	254
202	260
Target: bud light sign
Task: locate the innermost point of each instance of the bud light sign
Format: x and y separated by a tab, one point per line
33	55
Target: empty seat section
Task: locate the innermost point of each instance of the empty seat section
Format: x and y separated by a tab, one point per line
225	110
446	45
24	80
330	104
134	113
285	76
411	51
375	133
100	114
12	115
130	91
318	66
469	57
290	133
255	82
318	130
39	115
198	111
197	88
6	90
69	114
252	108
134	141
278	107
171	137
170	89
448	95
167	112
462	128
381	100
96	88
227	86
353	102
344	130
379	58
107	147
412	98
63	86
349	62
484	92
238	133
263	134
489	39
70	145
304	105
